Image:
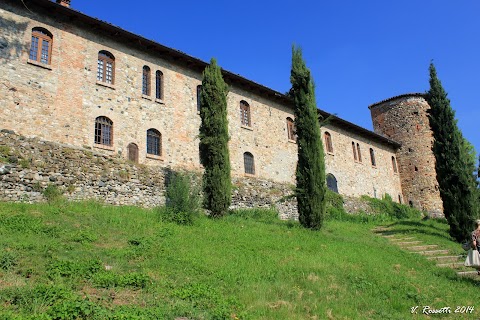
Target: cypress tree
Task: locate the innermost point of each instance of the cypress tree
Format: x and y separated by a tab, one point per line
214	154
310	173
453	167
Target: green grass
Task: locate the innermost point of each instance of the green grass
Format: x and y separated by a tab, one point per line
247	265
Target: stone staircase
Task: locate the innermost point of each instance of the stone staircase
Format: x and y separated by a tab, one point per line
442	257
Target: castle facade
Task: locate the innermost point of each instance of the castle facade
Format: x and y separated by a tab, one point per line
73	79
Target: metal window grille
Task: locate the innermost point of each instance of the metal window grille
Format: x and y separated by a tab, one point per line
146	81
103	131
248	163
245	113
159	85
100	70
105	67
154	142
372	157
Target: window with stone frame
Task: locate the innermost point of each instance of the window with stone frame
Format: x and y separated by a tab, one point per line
249	163
291	129
199	91
154	142
372	157
354	149
359	153
245	114
159	85
106	67
394	165
41	46
103	131
328	142
146	86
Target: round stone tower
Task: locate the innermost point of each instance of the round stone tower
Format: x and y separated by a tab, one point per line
404	119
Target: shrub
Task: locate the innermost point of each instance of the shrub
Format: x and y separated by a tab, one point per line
182	203
52	193
392	209
334	199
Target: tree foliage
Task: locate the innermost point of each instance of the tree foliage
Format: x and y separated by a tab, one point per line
310	173
214	154
454	165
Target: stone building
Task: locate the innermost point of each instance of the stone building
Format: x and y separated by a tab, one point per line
73	79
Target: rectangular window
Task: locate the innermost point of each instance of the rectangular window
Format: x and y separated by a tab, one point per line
34	48
100	70
45	50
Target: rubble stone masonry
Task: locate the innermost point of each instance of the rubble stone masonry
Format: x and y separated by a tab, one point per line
59	103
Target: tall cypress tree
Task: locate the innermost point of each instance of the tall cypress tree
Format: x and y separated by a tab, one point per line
310	172
214	154
454	172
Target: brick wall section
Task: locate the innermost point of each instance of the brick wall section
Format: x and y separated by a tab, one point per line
60	103
404	119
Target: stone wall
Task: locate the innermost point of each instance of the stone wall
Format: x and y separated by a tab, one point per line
405	119
60	102
29	165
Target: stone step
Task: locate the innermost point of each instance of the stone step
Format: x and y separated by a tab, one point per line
423	247
453	265
389	235
401	239
468	274
446	258
404	243
431	252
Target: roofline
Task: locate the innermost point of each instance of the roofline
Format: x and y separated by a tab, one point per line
180	57
360	130
405	95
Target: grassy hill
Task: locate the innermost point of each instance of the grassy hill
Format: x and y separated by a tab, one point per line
90	261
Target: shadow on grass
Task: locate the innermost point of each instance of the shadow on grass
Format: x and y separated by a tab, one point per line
419	227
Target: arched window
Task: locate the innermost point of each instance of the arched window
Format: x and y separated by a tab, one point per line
41	46
146	81
104	131
132	150
359	153
106	67
154	142
199	91
332	183
328	142
249	163
372	157
291	129
159	85
245	113
354	151
394	165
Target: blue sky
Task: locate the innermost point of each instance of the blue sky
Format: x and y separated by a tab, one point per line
359	52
